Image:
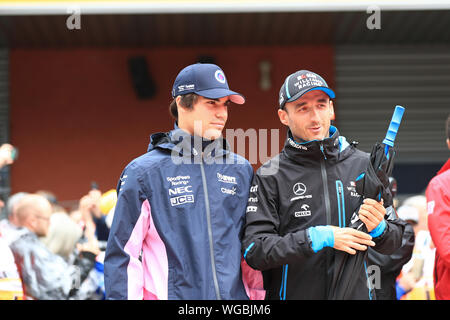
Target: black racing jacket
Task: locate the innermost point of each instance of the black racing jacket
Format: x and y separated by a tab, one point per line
308	184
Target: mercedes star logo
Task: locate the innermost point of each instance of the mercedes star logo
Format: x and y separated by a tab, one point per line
299	189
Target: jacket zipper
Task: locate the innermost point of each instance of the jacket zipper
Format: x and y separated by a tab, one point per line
323	152
341	203
208	222
326	193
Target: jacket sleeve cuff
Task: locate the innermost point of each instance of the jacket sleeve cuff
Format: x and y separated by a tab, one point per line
320	237
378	231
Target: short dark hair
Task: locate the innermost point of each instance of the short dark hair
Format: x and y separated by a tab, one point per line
187	101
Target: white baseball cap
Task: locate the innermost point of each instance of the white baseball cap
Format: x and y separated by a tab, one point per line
406	213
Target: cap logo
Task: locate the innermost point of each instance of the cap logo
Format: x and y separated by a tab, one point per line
307	82
186	87
220	76
311	75
280	101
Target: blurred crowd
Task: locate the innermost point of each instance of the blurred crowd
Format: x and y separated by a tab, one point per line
48	251
415	281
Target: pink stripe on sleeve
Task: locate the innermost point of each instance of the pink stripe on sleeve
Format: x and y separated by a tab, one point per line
156	265
146	279
253	282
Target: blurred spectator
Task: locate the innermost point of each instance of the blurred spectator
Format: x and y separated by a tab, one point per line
416	280
108	202
11	205
418	202
46	275
109	217
391	265
393	188
7	154
409	214
63	235
90	210
77	217
10	283
51	197
65	238
9	227
438	197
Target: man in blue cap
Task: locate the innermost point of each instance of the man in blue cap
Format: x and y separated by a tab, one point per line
180	210
302	201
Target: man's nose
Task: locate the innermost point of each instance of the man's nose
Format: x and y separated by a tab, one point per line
315	117
222	111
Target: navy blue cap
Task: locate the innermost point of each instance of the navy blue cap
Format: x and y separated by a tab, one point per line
206	80
300	82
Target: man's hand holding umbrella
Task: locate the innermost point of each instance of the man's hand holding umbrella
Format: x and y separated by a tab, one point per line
349	240
372	213
373	183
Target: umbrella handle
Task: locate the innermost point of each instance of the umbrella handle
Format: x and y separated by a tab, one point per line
393	128
392	132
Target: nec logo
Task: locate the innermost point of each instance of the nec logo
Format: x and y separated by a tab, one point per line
180	190
182	198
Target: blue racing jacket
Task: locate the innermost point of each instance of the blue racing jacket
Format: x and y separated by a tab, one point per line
177	227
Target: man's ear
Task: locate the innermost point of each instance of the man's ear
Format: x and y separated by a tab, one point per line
282	114
448	143
181	109
333	116
31	222
179	106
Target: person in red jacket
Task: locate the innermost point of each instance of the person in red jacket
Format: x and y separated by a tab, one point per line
438	203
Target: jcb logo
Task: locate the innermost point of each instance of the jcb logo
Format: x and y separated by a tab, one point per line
187	198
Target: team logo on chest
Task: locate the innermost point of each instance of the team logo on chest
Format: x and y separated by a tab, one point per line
230	181
304	211
299	189
180	191
352	189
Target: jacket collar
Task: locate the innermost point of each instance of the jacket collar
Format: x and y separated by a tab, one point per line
332	148
445	167
181	143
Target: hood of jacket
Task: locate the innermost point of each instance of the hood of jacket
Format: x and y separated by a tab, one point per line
445	167
181	143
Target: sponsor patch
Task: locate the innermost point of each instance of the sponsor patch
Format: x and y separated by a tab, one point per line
430	207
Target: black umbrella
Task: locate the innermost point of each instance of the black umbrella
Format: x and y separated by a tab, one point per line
372	183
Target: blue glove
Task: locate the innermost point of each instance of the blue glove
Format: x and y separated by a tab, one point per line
321	237
378	230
